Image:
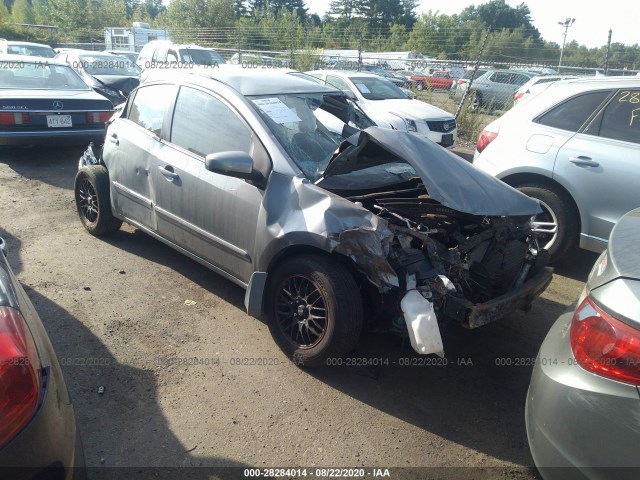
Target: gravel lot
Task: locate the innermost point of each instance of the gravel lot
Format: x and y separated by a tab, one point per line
130	314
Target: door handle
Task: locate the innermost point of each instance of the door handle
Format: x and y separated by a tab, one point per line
583	161
168	172
114	139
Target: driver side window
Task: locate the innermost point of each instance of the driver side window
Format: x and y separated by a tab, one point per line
203	124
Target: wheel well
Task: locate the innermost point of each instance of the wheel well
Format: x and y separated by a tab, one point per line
518	179
296	250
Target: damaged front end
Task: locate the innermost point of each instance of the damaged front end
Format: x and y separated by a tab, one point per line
465	252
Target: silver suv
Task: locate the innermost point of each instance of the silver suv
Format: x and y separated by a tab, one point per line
495	88
575	146
263	177
163	53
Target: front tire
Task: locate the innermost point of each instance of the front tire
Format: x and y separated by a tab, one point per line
93	201
558	223
314	309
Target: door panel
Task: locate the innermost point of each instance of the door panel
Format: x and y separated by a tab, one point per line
130	144
602	164
212	215
127	158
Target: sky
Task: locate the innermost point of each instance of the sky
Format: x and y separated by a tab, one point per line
591	28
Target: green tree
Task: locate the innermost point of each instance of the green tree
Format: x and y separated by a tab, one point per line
500	15
342	8
200	13
22	12
111	13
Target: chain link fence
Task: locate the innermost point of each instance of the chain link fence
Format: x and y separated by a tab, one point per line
476	82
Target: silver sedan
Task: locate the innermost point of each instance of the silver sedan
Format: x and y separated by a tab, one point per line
266	179
583	405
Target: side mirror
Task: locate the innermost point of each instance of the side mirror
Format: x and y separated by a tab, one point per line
233	164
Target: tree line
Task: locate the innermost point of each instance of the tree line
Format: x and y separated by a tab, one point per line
275	25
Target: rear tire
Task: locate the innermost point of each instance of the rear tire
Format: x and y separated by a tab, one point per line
559	218
314	309
93	201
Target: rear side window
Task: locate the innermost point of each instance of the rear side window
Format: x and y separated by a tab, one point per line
620	120
150	105
518	79
500	77
574	112
203	124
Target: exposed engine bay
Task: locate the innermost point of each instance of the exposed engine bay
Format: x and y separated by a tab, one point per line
462	239
458	259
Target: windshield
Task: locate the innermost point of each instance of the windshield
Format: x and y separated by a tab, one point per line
39	75
373	88
109	65
201	56
308	133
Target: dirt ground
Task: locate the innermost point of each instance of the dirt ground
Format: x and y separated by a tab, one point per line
190	380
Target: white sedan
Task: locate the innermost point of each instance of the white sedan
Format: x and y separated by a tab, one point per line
388	106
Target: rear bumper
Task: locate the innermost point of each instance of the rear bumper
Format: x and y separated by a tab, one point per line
579	425
475	315
47	137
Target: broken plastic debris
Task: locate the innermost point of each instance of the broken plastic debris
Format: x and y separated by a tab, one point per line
190	302
447	283
421	321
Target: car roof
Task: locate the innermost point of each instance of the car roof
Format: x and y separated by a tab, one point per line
177	45
549	94
616	82
9	57
248	81
344	73
20	42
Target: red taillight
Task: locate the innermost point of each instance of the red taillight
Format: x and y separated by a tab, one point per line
98	117
19	374
604	345
518	96
485	138
14	118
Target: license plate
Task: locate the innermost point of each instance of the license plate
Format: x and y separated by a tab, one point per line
57	121
447	140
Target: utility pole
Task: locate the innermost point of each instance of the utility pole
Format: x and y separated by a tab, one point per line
606	59
292	54
360	51
566	24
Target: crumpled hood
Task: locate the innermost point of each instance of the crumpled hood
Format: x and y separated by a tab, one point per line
413	109
122	83
450	180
